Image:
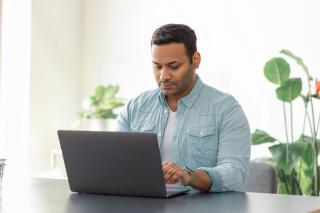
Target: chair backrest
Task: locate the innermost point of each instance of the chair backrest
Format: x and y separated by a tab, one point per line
262	178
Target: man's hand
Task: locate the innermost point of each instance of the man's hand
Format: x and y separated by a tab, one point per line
174	174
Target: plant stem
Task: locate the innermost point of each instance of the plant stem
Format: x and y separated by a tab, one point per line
310	124
313	120
285	124
285	120
304	121
291	121
318	123
302	135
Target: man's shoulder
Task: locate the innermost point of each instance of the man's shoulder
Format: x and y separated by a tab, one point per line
214	101
147	95
144	99
217	96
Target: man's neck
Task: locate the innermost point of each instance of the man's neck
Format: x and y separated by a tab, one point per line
173	103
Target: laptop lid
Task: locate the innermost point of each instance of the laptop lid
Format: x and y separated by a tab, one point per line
118	163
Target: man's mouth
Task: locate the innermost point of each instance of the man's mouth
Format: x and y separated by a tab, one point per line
166	86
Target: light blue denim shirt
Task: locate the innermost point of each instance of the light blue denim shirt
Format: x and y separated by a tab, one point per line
211	132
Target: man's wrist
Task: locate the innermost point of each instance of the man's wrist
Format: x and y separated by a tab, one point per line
191	175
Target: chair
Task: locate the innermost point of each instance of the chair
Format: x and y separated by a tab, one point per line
262	178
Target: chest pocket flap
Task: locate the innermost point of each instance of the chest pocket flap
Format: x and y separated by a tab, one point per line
201	131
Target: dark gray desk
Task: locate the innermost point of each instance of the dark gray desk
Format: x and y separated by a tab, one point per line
53	196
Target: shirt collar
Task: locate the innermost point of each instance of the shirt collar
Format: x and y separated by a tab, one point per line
190	98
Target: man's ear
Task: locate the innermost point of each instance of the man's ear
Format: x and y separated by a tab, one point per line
196	59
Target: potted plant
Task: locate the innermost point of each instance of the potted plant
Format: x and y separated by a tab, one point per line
296	159
99	108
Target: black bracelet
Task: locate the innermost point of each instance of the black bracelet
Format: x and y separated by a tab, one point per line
192	175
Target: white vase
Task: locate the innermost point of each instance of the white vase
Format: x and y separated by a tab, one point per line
98	124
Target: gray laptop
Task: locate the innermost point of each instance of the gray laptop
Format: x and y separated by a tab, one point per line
115	163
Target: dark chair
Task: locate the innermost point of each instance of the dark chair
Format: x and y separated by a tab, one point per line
262	178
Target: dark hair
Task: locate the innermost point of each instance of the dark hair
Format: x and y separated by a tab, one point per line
176	33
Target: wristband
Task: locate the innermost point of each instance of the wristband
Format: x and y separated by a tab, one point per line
192	176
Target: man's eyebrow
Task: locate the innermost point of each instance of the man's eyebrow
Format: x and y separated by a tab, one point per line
170	63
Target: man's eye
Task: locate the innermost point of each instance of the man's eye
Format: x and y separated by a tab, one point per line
174	67
156	67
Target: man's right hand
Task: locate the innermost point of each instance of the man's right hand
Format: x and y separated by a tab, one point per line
174	174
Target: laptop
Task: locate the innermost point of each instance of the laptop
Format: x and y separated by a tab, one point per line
115	163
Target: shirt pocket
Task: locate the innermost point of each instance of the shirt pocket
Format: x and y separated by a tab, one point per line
201	143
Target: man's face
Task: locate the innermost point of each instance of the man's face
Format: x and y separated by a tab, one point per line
172	70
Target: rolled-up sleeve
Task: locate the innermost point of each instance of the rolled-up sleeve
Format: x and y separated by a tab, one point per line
234	150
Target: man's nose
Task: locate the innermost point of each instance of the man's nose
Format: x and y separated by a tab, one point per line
164	75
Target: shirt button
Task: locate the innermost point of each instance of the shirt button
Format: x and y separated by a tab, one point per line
201	133
159	134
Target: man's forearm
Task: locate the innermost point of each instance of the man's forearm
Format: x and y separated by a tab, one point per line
201	180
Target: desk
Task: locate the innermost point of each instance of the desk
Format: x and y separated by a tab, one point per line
54	196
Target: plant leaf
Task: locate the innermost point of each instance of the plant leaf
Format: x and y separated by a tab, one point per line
308	139
259	137
305	166
102	103
277	70
111	91
289	90
305	99
304	169
279	154
298	60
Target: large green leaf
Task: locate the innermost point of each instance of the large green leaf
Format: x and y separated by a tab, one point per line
288	183
289	90
307	156
305	176
299	61
305	166
259	137
286	160
308	139
277	70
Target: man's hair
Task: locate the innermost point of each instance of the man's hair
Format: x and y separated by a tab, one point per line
176	33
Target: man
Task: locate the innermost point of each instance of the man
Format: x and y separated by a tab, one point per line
203	134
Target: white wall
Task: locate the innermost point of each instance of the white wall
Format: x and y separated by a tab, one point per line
14	83
235	38
56	74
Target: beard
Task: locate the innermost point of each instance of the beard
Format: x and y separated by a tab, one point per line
176	88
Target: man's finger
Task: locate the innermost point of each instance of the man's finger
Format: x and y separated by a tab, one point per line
170	172
168	164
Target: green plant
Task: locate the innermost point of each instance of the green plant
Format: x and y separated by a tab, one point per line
102	103
295	159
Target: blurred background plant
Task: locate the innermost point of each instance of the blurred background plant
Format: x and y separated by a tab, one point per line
296	160
102	103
